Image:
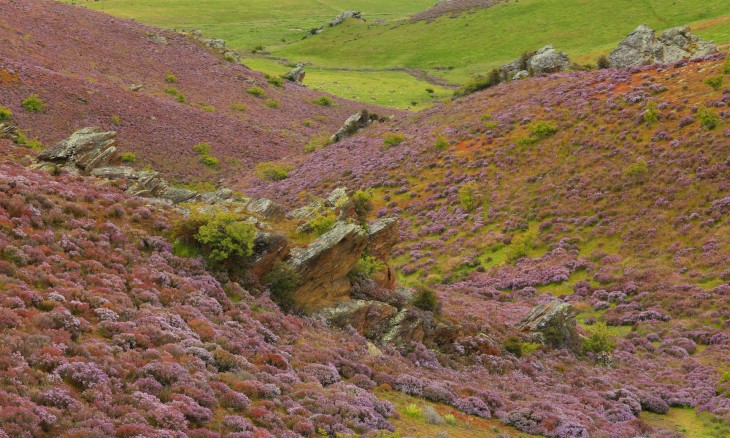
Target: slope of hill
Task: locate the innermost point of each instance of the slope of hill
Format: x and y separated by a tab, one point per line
82	64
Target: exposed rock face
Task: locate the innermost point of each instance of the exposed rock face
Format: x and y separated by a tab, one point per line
323	266
345	16
522	74
267	250
297	74
83	151
642	47
8	131
266	208
553	324
383	235
545	60
353	124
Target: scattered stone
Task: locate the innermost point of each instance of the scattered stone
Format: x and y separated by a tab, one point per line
136	87
642	47
353	124
522	74
115	172
266	208
9	131
159	39
553	324
344	17
219	196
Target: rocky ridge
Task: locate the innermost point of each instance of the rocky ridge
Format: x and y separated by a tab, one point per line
643	47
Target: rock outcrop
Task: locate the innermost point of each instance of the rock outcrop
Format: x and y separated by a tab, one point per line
642	47
383	234
296	75
341	18
323	266
84	151
353	124
545	60
552	324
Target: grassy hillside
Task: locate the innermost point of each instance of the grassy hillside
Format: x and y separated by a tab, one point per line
474	42
356	60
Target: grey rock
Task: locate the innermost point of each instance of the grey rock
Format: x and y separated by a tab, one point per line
353	124
159	39
341	18
323	266
9	131
266	208
642	47
552	323
217	197
297	74
83	151
115	172
178	195
548	60
268	249
136	87
522	74
214	43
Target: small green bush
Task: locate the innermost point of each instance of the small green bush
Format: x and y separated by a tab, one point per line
239	107
274	80
208	108
441	143
637	170
600	340
272	103
393	139
5	113
520	246
708	118
430	90
478	83
450	419
128	157
116	119
224	235
324	101
30	143
209	160
414	411
202	148
34	103
322	223
514	345
273	171
651	113
365	268
603	62
715	82
170	78
362	202
726	66
282	281
317	143
256	92
426	299
542	129
469	197
172	91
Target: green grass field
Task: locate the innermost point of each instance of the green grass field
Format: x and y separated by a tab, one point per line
361	60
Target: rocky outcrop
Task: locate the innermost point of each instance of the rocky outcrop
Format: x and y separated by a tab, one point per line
268	249
353	124
83	151
9	131
383	234
296	75
323	266
552	324
642	47
341	18
545	60
217	45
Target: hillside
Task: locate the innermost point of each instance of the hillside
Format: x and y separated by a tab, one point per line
450	43
544	257
85	79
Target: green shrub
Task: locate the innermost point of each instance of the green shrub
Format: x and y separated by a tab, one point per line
34	103
637	170
170	78
479	83
324	101
282	281
172	91
514	345
272	103
256	91
238	107
30	143
362	202
600	340
224	235
393	139
708	118
430	90
520	246
441	143
365	268
209	160
651	113
469	197
116	119
542	129
274	80
414	411
426	299
450	419
307	123
128	157
603	62
715	82
322	223
726	66
317	143
202	148
5	113
273	171
208	108
526	140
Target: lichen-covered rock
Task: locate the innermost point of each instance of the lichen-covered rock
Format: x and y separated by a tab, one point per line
297	74
383	234
345	16
323	266
353	124
552	323
219	196
115	172
642	47
266	208
548	60
268	249
83	151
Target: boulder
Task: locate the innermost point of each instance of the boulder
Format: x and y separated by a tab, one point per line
178	195
323	266
115	172
219	196
268	249
552	323
297	74
642	47
266	208
548	60
9	131
148	184
522	74
353	124
83	151
383	234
